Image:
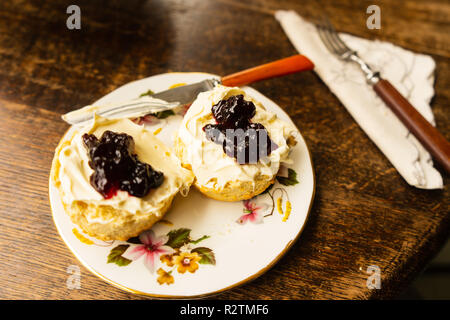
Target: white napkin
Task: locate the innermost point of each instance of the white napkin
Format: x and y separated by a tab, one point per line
412	74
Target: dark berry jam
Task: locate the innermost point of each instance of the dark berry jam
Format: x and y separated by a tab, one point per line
241	139
116	167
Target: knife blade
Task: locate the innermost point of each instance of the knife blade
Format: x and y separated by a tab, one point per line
186	94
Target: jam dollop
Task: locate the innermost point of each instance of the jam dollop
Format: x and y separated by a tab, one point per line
241	139
116	167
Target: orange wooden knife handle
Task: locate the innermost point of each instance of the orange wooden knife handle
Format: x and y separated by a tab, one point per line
429	136
269	70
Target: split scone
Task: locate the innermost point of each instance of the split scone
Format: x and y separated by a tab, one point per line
232	144
116	179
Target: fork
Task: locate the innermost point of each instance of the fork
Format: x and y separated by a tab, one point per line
433	141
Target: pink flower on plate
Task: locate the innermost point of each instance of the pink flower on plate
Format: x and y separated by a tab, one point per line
252	213
151	248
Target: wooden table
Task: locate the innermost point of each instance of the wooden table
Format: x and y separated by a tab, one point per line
364	213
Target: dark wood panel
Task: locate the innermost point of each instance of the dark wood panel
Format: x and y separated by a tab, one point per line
363	214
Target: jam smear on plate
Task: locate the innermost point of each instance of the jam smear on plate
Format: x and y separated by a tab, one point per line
240	138
116	167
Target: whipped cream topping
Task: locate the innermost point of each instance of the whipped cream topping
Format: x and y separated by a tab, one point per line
74	172
211	166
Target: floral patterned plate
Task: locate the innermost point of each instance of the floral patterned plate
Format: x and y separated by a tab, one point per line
202	246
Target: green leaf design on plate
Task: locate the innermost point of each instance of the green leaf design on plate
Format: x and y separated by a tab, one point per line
148	93
164	114
115	256
178	237
199	239
206	254
290	180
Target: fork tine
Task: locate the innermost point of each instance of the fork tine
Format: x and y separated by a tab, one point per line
330	37
323	34
335	35
326	38
325	41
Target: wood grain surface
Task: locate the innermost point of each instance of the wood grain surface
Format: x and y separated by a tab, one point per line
364	213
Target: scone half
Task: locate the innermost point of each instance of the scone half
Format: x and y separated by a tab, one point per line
122	216
218	175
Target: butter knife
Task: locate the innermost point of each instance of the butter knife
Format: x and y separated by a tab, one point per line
186	94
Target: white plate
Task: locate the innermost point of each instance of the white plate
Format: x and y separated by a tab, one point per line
232	254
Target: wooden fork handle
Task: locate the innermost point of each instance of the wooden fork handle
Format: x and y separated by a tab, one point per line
269	70
429	136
